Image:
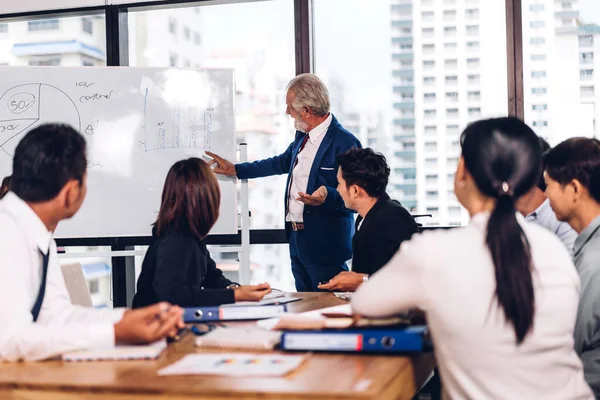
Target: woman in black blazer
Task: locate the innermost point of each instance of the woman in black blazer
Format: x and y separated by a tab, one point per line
177	267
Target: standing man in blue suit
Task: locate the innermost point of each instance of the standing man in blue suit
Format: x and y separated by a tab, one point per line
318	226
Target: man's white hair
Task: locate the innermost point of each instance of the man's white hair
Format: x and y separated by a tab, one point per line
310	93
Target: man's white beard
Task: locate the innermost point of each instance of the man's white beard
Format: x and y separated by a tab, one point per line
300	126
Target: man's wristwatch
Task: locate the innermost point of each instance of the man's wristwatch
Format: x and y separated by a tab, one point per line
365	278
233	286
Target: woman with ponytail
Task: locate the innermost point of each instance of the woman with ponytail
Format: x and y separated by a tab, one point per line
500	294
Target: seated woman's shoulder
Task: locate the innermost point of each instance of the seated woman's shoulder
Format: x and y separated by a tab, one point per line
545	242
178	239
436	239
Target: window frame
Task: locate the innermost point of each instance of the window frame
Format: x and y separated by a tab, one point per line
116	38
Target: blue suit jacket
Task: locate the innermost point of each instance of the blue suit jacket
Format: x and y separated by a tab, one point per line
328	228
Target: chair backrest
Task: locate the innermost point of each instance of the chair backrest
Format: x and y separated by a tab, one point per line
76	284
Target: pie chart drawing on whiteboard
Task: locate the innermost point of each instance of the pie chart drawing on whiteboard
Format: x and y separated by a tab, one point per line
24	107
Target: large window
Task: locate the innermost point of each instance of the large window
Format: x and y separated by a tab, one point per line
96	271
405	76
261	50
417	74
560	96
57	41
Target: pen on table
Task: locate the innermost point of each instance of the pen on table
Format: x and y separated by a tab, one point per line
180	333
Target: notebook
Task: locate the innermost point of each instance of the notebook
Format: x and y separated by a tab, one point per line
141	352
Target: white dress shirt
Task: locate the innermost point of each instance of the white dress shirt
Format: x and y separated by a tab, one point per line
544	216
450	275
61	326
301	171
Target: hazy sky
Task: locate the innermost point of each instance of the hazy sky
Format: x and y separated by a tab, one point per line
343	50
352	39
590	11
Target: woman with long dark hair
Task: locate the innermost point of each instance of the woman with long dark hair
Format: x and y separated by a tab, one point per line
500	294
178	267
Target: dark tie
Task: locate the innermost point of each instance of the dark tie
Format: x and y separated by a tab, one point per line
35	311
306	136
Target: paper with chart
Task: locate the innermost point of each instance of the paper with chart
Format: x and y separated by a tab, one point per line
234	364
137	123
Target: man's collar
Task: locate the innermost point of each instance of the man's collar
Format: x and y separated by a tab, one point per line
320	129
28	220
540	210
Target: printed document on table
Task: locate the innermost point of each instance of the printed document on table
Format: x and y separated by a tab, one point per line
234	364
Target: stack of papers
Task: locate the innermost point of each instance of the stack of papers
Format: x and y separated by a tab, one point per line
234	365
271	323
338	317
241	338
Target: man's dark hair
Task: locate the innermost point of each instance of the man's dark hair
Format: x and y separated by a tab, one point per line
576	158
46	159
541	184
366	169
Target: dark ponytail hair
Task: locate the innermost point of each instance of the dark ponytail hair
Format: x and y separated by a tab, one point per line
503	155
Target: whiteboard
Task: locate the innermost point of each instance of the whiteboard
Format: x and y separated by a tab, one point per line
137	123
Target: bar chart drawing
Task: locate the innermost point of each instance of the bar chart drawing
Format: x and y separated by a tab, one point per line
207	130
183	130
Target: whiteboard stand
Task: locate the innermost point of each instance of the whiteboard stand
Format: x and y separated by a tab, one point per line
245	223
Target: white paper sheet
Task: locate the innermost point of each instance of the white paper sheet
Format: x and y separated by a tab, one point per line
234	364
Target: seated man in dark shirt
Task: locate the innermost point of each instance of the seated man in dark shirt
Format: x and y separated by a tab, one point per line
382	225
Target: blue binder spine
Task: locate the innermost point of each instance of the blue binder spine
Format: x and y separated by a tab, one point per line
208	314
201	314
356	340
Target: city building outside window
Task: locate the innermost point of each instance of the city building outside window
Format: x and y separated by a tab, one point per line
43	25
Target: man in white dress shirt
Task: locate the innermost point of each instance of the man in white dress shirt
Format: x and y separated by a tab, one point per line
535	206
38	319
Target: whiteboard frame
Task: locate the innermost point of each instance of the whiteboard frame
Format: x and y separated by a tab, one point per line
138	240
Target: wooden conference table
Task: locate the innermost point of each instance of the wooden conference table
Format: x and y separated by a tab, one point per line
322	376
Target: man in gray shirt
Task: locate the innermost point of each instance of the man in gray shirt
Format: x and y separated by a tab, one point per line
535	206
572	175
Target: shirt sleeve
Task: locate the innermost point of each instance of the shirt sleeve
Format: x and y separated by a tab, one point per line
395	288
214	276
588	314
567	235
276	165
20	337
